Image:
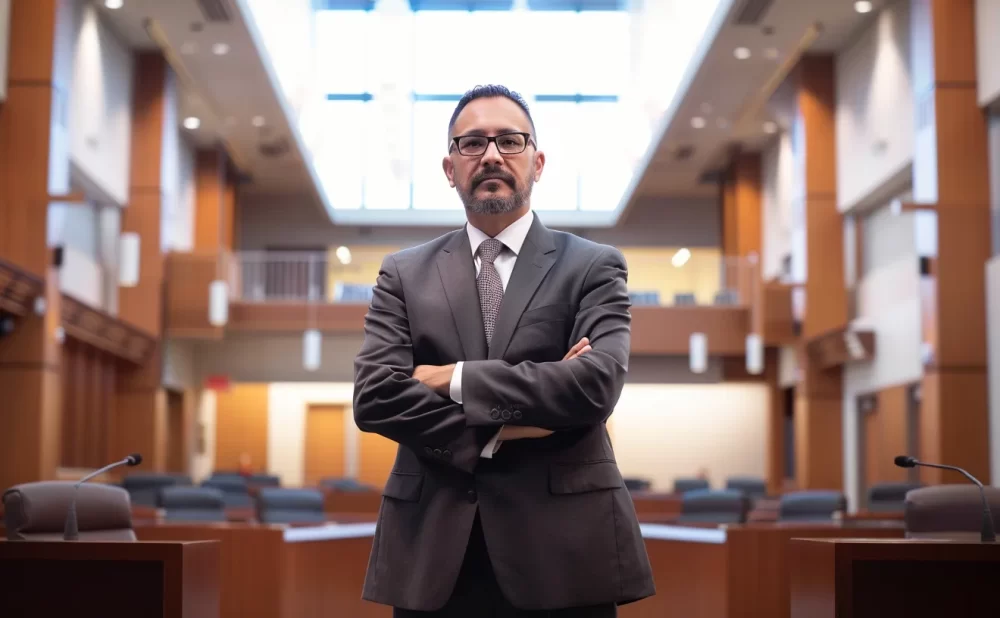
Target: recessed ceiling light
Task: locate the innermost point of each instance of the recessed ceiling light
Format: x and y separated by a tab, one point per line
189	47
220	49
771	53
770	127
863	6
344	255
114	4
258	121
192	123
698	122
741	53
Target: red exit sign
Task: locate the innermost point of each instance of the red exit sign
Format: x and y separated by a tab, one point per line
217	383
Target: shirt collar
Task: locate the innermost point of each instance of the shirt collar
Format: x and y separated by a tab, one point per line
512	236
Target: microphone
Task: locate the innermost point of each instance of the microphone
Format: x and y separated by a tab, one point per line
70	530
987	535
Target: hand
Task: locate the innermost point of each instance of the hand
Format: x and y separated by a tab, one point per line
514	432
435	377
582	347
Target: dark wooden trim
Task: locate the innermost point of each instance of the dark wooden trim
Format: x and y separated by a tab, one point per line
105	332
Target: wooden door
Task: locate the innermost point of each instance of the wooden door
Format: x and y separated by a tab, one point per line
177	434
325	443
241	427
885	434
377	454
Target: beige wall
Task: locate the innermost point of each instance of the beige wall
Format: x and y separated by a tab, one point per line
659	431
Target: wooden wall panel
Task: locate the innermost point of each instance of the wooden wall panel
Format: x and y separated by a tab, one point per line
376	455
215	202
325	443
88	381
188	277
885	435
241	417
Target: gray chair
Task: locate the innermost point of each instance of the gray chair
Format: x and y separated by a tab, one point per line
193	504
264	480
276	505
716	506
144	487
727	298
753	487
235	490
949	511
889	497
644	298
37	511
345	484
684	485
685	299
805	506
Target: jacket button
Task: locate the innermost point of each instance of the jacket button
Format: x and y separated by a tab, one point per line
472	495
494	414
517	414
437	452
428	450
505	415
446	453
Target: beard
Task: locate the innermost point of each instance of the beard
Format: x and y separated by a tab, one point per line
496	205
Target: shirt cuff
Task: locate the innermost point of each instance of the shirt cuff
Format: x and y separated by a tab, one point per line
492	446
455	388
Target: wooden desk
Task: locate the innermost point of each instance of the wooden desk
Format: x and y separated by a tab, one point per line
121	579
274	571
729	571
866	578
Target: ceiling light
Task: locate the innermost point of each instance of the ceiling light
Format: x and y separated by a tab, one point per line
344	255
192	122
114	4
771	53
863	6
258	121
698	122
770	127
741	53
220	49
681	257
189	47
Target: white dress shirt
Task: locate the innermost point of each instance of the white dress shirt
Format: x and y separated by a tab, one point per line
512	238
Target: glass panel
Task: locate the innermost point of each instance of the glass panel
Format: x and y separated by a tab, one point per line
605	165
556	124
340	152
553	67
602	54
430	144
478	48
387	180
341	39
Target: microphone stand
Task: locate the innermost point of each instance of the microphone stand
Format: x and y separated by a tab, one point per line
987	533
71	530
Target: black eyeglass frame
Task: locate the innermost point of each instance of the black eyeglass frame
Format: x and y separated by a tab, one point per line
527	140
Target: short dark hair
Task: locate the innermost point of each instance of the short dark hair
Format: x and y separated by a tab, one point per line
491	91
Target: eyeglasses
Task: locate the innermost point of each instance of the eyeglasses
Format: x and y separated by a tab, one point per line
507	143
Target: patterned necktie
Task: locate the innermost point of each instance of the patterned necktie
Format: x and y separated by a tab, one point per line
490	284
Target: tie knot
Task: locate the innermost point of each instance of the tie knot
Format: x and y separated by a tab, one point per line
489	249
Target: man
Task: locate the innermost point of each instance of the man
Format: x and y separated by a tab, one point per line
493	356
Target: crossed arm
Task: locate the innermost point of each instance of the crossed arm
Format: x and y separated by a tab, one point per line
410	405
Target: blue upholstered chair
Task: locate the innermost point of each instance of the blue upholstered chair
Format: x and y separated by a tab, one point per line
193	504
276	505
805	506
717	506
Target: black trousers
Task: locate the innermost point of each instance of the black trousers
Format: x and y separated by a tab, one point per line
477	593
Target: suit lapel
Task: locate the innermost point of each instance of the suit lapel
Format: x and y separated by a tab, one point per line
458	275
537	255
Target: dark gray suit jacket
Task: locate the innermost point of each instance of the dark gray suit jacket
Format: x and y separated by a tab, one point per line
559	524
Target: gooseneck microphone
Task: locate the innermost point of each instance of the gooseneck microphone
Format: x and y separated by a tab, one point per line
988	534
71	531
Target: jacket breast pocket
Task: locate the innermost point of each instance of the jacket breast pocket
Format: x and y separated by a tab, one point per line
560	312
584	477
404	486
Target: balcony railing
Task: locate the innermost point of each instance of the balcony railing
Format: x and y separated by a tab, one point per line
320	277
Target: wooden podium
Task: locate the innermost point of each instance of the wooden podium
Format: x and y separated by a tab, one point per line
112	579
886	578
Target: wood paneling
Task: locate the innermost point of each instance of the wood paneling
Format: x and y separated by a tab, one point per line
954	406
215	199
241	418
180	430
886	430
88	388
778	314
376	454
188	277
841	346
818	406
325	443
106	332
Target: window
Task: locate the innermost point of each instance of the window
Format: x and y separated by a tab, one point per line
431	190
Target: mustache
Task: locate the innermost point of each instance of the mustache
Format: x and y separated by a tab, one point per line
502	176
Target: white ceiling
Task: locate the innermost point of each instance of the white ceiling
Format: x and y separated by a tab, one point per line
723	89
226	92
